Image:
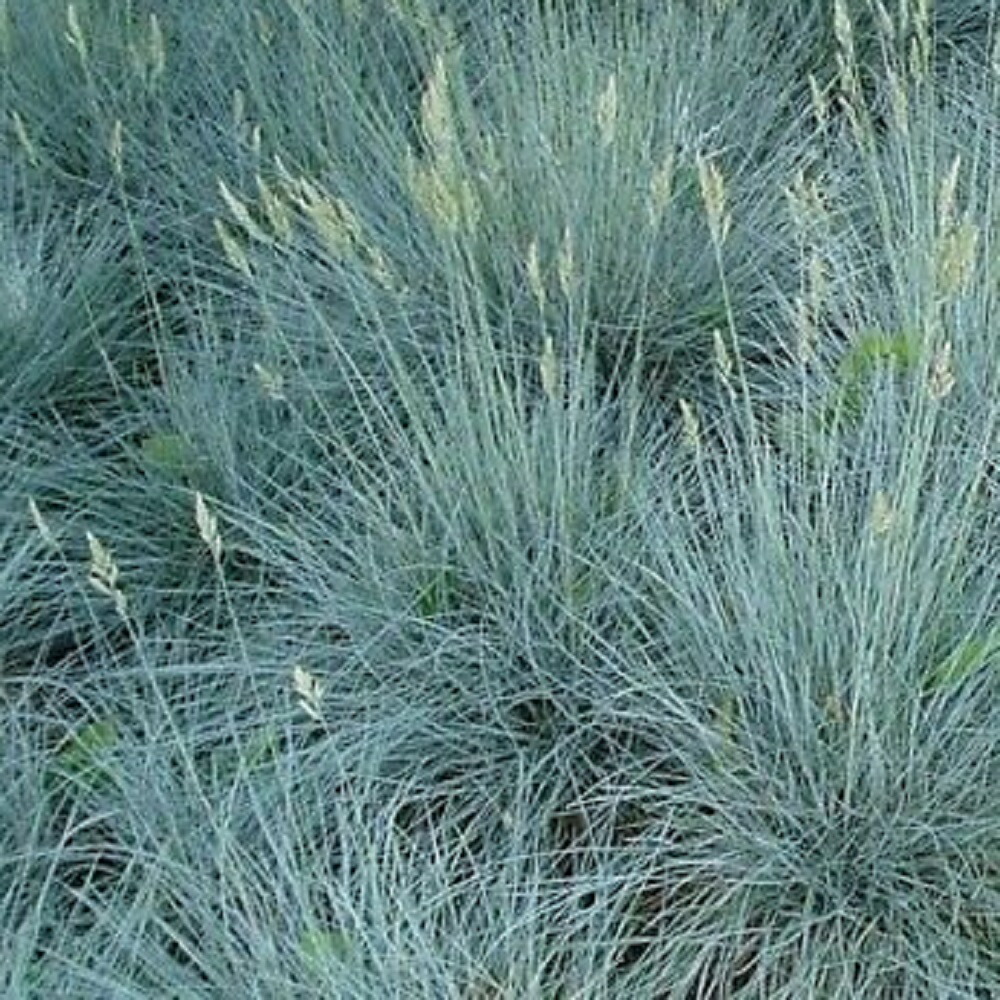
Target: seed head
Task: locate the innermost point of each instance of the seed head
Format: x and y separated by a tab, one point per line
723	362
565	264
275	211
820	102
806	202
713	194
956	259
5	32
941	380
242	214
805	325
21	131
104	574
74	33
310	691
692	430
208	527
882	516
335	221
534	270
232	249
41	525
607	111
270	382
661	188
157	49
239	111
445	198
116	147
886	27
435	110
265	29
843	29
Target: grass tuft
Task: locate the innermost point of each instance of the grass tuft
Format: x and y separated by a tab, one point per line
499	500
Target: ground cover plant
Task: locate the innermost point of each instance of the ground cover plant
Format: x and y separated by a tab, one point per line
500	500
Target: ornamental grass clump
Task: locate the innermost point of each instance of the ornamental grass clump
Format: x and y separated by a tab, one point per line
924	31
896	289
818	637
65	297
544	175
758	759
586	139
77	75
479	506
291	875
36	842
813	802
505	501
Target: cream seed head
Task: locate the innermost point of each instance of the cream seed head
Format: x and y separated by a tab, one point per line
157	49
116	148
208	527
956	259
723	362
270	381
445	199
713	194
843	29
534	269
806	203
232	249
607	111
847	62
332	217
275	210
660	188
102	564
241	214
691	424
816	270
886	27
921	43
24	140
265	29
435	110
805	326
74	33
820	102
919	57
882	514
104	574
41	525
310	692
239	110
380	269
941	379
5	32
17	290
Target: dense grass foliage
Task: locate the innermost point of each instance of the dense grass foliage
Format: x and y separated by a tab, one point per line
500	500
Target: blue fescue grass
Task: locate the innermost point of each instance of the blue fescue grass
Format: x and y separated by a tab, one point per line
503	504
526	199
